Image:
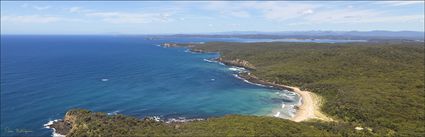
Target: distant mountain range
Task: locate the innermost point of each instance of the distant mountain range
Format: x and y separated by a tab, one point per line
378	34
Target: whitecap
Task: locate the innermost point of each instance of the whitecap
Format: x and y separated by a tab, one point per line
292	93
104	79
113	113
237	76
54	134
238	69
300	102
277	114
182	120
291	110
286	96
208	60
47	125
233	69
156	118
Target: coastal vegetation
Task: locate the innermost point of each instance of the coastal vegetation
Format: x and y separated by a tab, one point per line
376	87
87	123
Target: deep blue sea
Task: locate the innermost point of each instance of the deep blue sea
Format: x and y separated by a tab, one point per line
44	76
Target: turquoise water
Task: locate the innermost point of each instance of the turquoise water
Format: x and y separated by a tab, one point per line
44	76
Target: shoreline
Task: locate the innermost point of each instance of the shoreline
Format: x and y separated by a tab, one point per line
53	124
310	102
309	107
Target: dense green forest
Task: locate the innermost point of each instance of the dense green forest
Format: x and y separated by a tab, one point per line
378	86
86	123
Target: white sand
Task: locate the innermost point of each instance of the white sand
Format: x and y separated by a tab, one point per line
310	106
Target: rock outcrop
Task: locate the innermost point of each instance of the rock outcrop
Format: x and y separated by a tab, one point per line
169	45
64	126
237	63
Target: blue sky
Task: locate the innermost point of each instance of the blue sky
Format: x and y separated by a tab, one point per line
207	16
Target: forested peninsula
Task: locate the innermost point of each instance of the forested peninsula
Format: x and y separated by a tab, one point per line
367	88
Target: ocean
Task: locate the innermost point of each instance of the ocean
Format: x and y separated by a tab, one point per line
44	76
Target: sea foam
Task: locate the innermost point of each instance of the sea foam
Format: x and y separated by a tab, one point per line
210	60
237	76
277	114
113	113
238	69
182	120
48	124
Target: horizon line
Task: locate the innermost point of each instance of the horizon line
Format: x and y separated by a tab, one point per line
208	33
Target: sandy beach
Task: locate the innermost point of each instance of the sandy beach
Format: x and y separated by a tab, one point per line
310	102
310	106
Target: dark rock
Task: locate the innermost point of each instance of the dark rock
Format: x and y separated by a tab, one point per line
61	127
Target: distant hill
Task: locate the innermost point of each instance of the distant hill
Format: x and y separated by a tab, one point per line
377	34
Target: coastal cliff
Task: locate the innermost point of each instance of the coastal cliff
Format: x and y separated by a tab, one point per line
69	122
81	122
236	62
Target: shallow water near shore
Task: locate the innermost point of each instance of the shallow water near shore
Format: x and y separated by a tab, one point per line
44	76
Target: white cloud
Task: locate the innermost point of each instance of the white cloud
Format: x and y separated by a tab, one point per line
281	11
227	9
401	3
41	7
123	17
309	11
316	13
78	10
241	14
312	12
341	16
34	19
299	23
305	14
74	9
36	7
25	5
272	10
234	25
359	16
